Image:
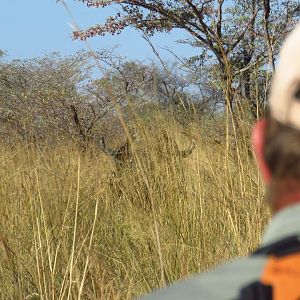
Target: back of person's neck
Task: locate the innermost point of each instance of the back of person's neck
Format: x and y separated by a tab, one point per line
284	200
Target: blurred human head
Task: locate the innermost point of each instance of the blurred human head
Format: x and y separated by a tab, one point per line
276	139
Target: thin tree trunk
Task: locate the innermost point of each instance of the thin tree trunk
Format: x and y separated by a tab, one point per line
267	33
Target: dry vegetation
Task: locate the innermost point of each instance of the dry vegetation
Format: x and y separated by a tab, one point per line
70	229
74	225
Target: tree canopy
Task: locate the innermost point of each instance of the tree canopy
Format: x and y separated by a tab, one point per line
236	35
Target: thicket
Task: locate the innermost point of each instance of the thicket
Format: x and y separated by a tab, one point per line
77	224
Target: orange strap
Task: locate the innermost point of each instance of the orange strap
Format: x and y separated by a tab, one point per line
283	274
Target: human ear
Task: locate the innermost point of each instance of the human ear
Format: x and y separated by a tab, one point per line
258	144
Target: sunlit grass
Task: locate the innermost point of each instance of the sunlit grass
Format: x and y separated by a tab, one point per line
73	226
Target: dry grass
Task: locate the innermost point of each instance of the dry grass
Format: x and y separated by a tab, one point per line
71	230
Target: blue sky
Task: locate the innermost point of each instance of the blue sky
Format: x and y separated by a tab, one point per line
30	28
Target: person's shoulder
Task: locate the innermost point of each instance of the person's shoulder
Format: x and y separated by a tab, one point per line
223	282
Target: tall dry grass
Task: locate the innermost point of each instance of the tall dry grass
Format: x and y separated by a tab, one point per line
70	228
